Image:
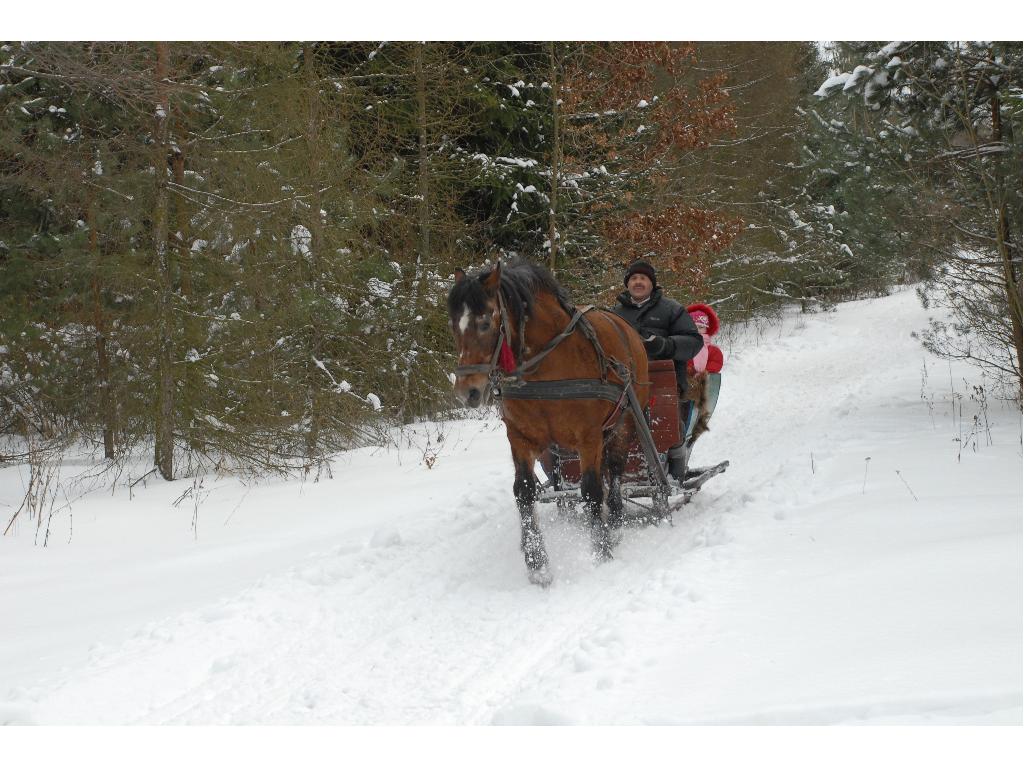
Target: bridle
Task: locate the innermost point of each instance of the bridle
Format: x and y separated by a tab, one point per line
497	365
503	367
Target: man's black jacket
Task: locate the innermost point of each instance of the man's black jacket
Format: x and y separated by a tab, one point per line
661	316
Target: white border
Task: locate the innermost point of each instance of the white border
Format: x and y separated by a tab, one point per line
520	20
497	747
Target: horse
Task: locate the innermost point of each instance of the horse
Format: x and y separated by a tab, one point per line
563	374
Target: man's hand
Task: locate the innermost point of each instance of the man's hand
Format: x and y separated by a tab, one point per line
658	346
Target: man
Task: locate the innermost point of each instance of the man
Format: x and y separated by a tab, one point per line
668	332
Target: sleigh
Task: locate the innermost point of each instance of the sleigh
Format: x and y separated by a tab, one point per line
651	490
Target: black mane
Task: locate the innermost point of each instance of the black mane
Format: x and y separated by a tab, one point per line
521	282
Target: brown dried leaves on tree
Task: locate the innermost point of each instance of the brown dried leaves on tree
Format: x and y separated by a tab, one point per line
679	240
645	111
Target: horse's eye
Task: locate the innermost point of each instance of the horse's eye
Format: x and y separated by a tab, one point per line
485	324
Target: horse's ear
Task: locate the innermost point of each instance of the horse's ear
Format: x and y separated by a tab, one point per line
493	279
459	276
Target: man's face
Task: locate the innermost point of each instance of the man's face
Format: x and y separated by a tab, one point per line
639	286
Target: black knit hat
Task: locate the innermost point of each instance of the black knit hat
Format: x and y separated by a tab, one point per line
643	268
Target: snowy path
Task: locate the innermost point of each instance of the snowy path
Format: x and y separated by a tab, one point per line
781	595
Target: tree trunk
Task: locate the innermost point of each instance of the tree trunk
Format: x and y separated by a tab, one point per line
164	446
312	140
181	238
424	169
1011	283
189	329
1006	247
556	162
423	227
99	321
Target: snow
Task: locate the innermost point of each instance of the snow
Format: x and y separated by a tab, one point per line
380	289
301	240
217	423
874	84
806	585
888	50
859	74
832	83
521	162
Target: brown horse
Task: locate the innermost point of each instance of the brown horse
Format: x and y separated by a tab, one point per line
513	323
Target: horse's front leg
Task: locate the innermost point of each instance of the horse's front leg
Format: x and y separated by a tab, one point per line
592	491
525	490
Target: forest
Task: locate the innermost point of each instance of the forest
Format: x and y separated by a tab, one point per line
235	255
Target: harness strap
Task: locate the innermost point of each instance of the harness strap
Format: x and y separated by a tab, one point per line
562	389
465	370
590	389
618	414
528	366
602	359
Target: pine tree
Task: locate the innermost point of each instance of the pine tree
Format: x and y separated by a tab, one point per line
948	116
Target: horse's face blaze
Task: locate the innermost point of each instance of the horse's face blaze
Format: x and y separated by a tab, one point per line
476	336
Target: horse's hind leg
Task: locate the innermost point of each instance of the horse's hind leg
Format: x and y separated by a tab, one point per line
615	466
593	495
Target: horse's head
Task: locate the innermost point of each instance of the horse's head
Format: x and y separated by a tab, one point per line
475	313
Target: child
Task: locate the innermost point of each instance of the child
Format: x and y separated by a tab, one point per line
710	358
705	380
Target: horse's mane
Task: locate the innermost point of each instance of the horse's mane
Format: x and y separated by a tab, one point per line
521	282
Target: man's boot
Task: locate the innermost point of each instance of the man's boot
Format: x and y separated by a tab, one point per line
677	460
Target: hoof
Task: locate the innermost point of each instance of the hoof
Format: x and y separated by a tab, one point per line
541	577
603	542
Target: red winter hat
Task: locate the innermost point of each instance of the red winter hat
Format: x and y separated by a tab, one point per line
704	316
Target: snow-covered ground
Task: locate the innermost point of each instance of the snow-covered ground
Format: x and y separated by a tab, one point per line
806	585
